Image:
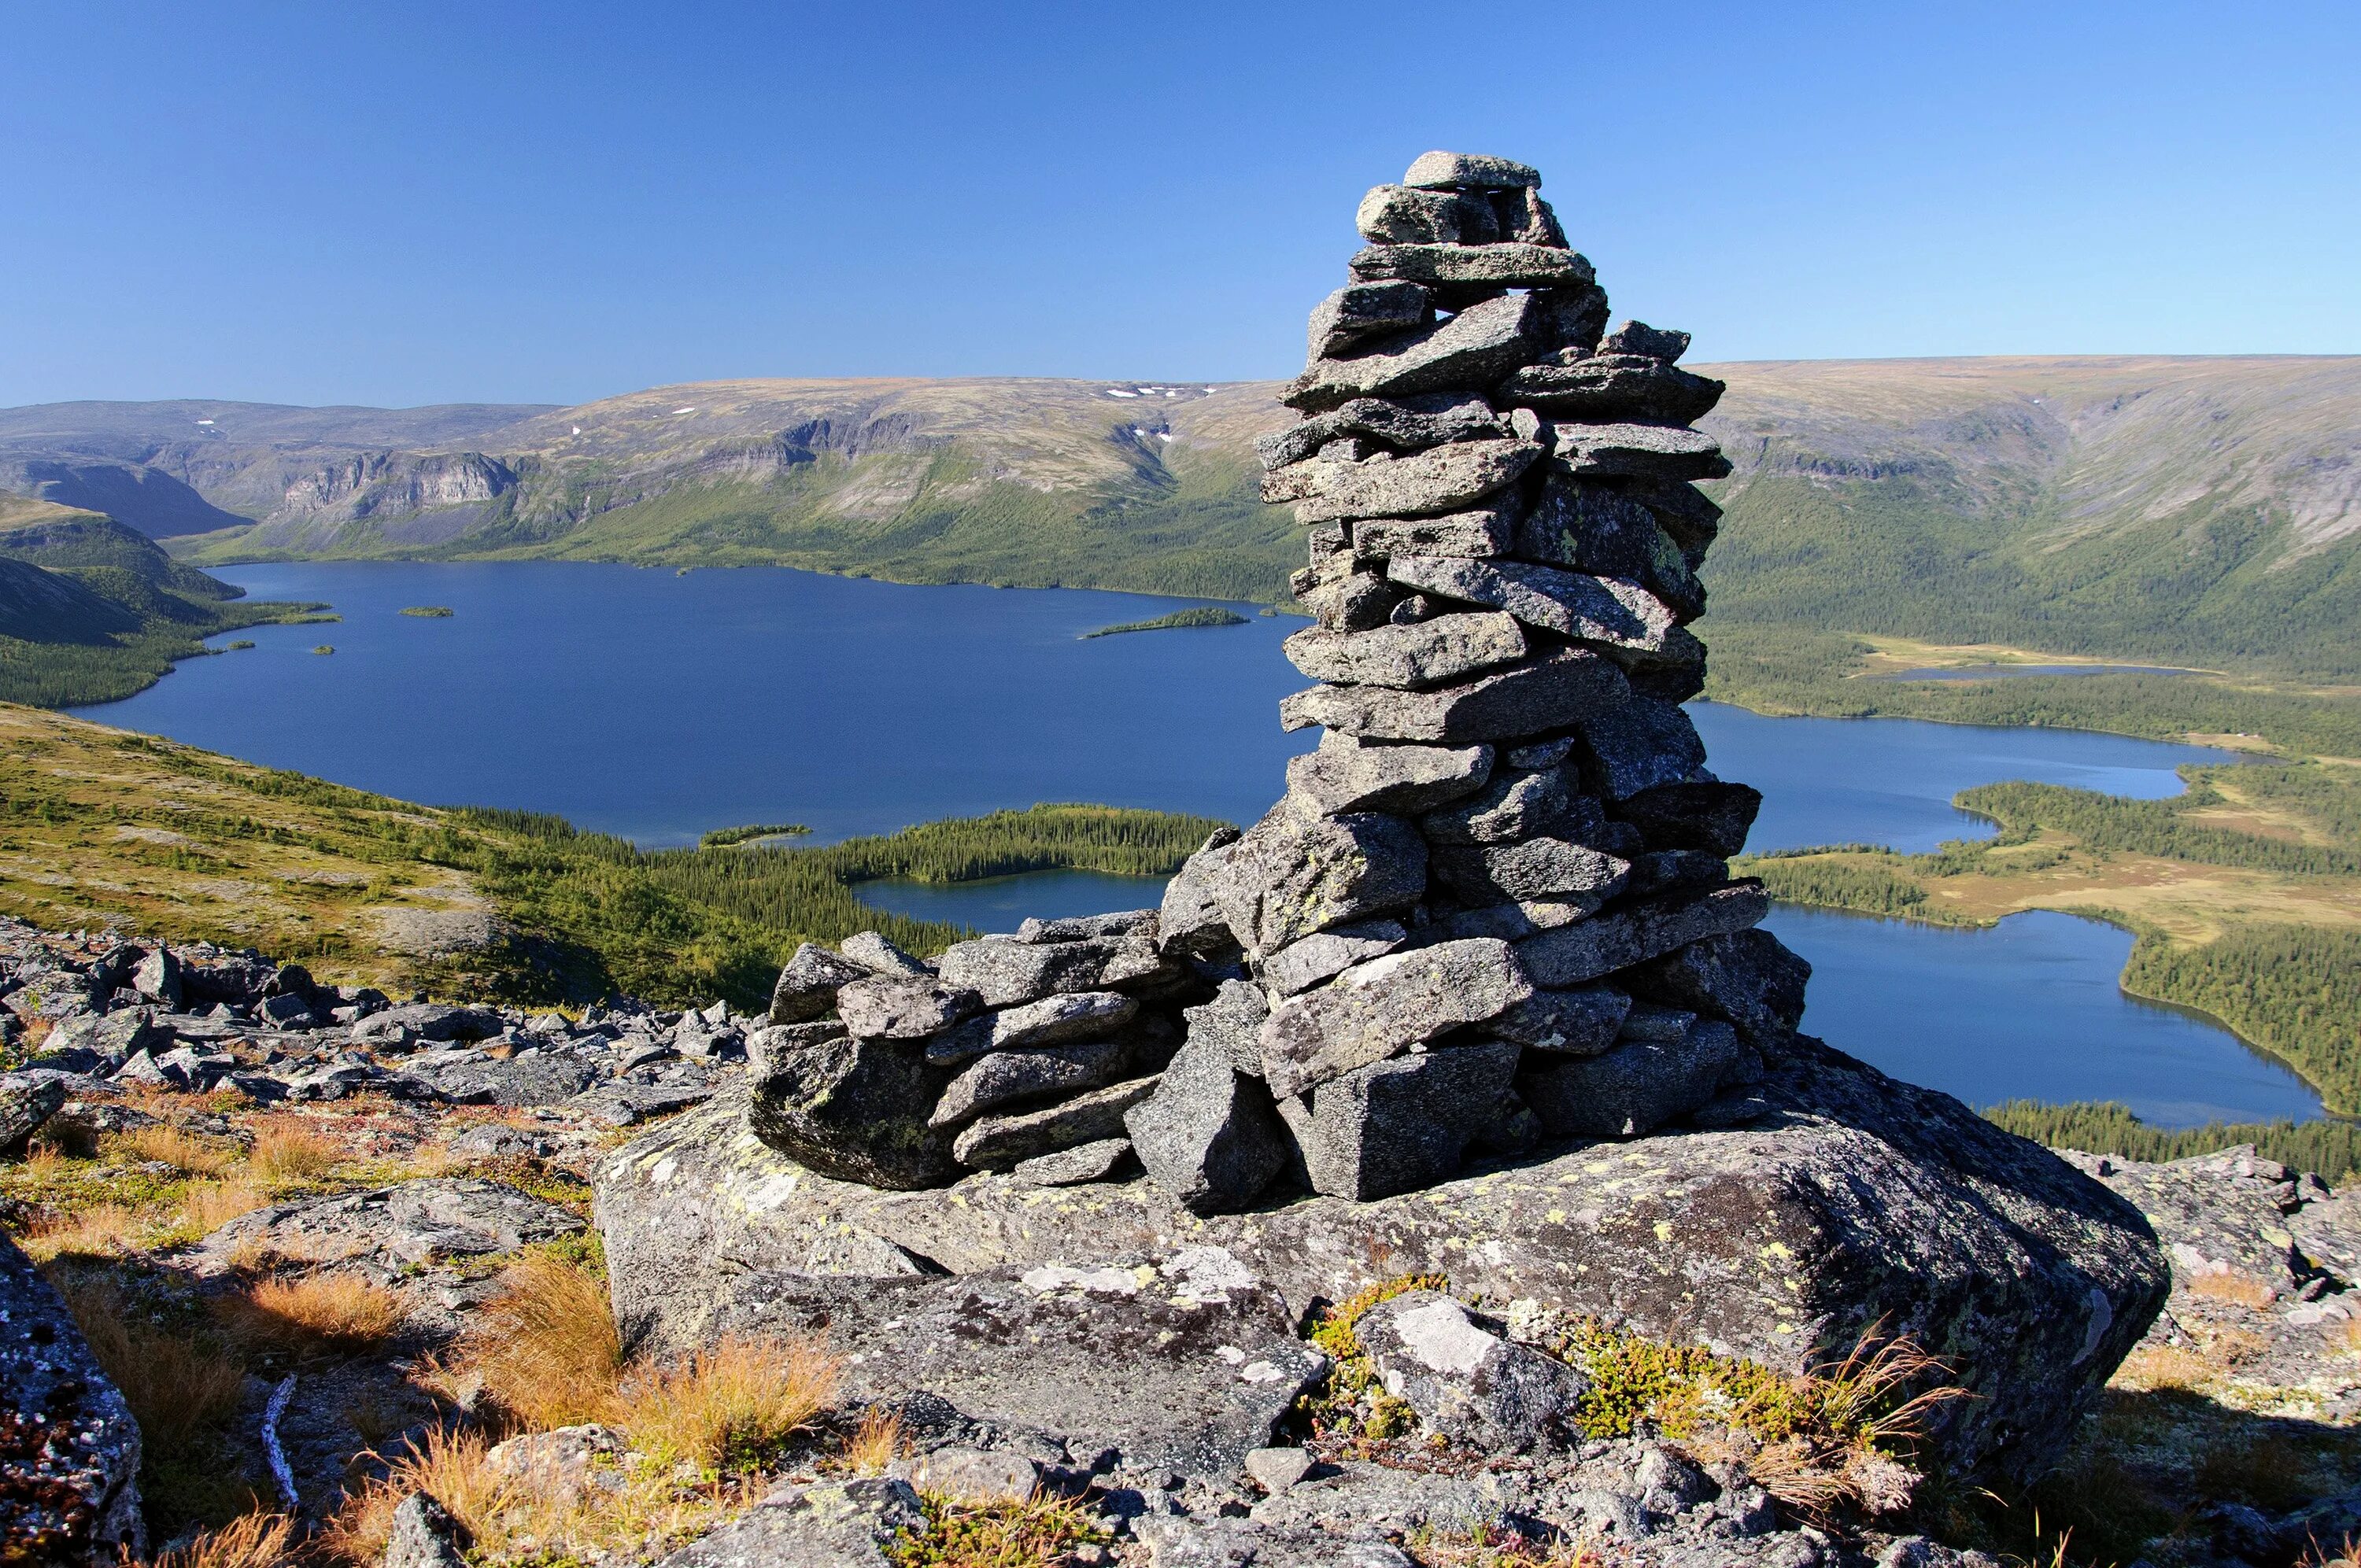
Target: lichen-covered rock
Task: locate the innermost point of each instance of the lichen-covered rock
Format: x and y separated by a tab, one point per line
392	1228
1411	658
999	1142
69	1448
27	1099
1855	1199
1532	698
1348	774
808	985
1297	871
1466	1379
1209	1135
1635	1087
1376	1009
824	1524
858	1110
1399	1126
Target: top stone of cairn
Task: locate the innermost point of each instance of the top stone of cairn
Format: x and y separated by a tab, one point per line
1469	172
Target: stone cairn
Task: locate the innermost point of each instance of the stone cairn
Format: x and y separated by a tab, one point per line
1493	909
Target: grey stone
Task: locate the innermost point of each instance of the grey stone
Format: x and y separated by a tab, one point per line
1396	1126
535	1080
1509	266
1209	1133
158	977
1425	484
1474	349
764	1046
1513	806
1667	344
285	1011
1374	1009
1643	745
1534	870
1529	219
1415	658
1749	977
1710	815
565	1462
1607	611
1680	510
879	1008
1514	922
1479	534
1577	1023
1277	1469
1393	214
1189	920
1883	1200
1054	1020
875	953
1630	1092
1011	1078
1469	172
1611	387
72	1459
1359	311
1297	871
977	1476
1663	1026
856	1110
1233	1018
1469	1383
998	1143
826	1524
628	1105
27	1100
424	1536
1098	1161
1081	927
1347	774
1301	965
1212	1542
1403	425
1549	693
1592	526
1571	955
1644	451
1352	603
808	985
396	1229
1007	973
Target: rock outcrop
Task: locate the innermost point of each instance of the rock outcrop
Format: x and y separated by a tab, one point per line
69	1447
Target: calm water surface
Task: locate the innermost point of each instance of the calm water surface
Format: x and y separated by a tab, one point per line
658	707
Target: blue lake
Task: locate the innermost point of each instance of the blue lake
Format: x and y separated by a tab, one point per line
659	706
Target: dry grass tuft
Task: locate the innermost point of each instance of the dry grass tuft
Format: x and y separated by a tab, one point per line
2154	1366
1035	1534
169	1145
287	1150
45	1161
317	1311
103	1230
546	1347
723	1408
2243	1290
2345	1556
174	1385
250	1540
876	1443
1495	1546
210	1205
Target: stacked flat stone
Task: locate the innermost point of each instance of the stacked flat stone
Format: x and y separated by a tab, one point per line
1494	908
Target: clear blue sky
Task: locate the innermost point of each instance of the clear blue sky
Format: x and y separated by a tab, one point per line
420	203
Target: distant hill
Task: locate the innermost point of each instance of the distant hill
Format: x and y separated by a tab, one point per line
2192	509
91	610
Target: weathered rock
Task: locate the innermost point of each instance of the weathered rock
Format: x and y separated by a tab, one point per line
1749	977
1374	1010
1667	344
1233	1020
1643	451
979	1476
1528	699
856	1110
1360	311
1634	1089
394	1229
424	1536
883	1008
1427	484
535	1080
998	1143
158	977
1610	387
27	1099
563	1462
1054	1020
1469	172
826	1524
1082	927
1572	1023
1535	868
1514	922
1189	921
1011	1078
1070	1167
1712	817
875	953
1571	955
1643	745
1466	1379
1302	965
1404	424
1208	1361
1007	973
1399	214
1347	774
1353	603
1594	528
1513	806
1198	1540
1297	871
1474	349
806	987
1479	534
1509	266
1413	658
1209	1135
1399	1126
429	1021
1607	611
69	1448
1883	1200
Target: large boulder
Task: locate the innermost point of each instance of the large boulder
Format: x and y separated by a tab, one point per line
69	1447
1855	1201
